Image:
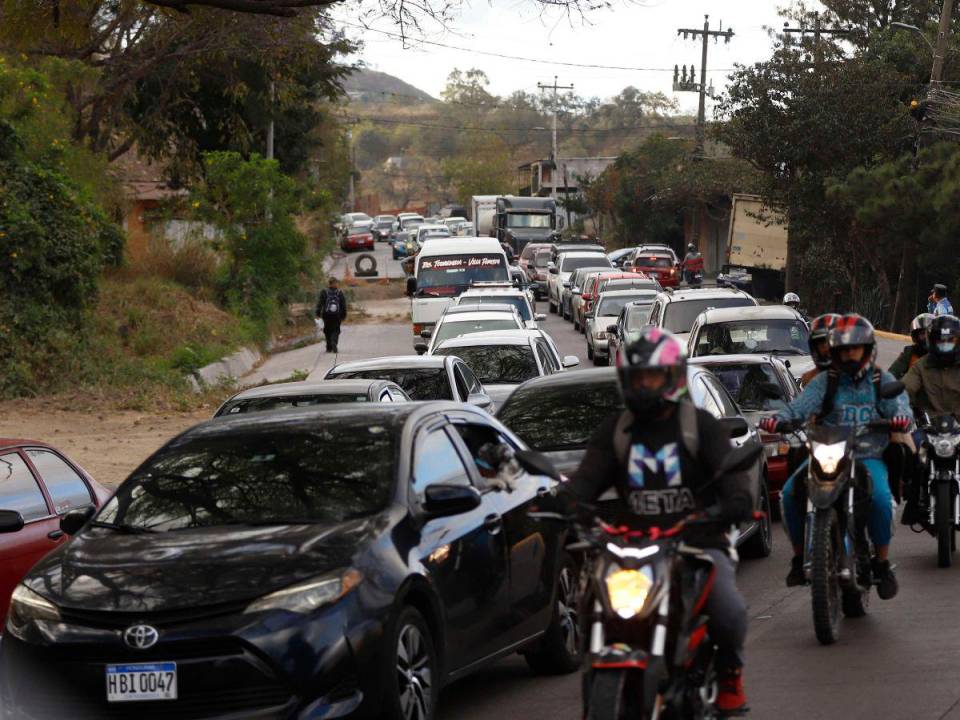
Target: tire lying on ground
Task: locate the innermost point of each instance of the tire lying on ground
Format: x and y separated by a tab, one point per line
365	266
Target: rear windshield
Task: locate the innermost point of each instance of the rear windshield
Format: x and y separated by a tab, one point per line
656	262
418	383
745	384
266	404
326	474
638	316
497	364
563	417
522	306
775	337
679	316
613	305
451	274
569	264
449	330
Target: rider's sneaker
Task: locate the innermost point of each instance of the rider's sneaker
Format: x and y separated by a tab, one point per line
796	576
731	699
885	579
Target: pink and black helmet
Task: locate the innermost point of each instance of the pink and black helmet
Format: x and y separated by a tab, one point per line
655	349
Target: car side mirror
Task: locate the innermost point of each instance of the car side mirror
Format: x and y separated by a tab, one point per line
426	334
890	390
570	361
446	500
73	521
554	270
420	347
481	400
540	317
612	329
411	286
771	391
735	426
10	521
537	463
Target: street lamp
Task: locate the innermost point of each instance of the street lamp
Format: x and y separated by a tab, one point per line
914	29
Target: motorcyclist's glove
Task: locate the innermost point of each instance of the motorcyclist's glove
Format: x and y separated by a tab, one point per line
899	423
769	424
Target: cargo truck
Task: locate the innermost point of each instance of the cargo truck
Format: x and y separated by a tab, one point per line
756	248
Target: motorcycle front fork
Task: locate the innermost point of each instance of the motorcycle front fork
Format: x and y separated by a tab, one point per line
845	573
932	494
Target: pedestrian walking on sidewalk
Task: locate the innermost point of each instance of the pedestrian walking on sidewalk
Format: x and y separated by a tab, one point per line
332	311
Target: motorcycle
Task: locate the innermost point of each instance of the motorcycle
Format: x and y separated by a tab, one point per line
694	278
837	553
649	654
942	456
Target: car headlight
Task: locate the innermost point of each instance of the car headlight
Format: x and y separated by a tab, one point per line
307	597
828	457
26	608
628	590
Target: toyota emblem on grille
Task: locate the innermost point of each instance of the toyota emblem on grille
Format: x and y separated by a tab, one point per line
141	637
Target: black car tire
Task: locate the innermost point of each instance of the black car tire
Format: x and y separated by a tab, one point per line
560	650
589	352
410	635
760	544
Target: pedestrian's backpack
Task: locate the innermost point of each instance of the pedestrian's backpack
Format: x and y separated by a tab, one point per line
332	305
830	394
688	431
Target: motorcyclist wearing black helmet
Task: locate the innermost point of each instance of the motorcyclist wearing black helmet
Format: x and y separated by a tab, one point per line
659	453
912	353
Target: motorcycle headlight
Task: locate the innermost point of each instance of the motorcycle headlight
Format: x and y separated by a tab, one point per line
26	608
307	597
628	590
943	445
828	457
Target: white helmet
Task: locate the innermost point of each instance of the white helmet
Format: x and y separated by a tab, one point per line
791	299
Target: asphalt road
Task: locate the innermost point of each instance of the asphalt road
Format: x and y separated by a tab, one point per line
897	663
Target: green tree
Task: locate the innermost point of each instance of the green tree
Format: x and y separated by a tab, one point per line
467	88
487	170
253	205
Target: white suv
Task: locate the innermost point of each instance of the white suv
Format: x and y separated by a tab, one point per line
677	311
565	265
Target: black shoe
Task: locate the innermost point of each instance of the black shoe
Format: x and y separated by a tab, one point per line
796	576
885	579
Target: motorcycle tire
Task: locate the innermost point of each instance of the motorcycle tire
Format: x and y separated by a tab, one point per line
824	580
616	695
943	517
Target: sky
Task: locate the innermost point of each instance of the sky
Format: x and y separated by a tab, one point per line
641	35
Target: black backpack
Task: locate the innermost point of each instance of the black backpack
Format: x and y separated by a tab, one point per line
688	430
332	304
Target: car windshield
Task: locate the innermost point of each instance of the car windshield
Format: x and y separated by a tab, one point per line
654	262
265	404
327	474
408	223
497	364
522	306
562	417
613	305
637	317
520	220
778	337
384	223
542	258
746	384
418	383
569	264
445	274
460	327
679	316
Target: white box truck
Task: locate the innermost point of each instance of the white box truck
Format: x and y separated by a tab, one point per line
484	214
756	248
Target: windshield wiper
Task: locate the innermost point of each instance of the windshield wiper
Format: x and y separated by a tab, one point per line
124	527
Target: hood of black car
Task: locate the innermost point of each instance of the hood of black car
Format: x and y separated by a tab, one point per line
102	570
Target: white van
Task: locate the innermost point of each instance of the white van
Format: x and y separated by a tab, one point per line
444	268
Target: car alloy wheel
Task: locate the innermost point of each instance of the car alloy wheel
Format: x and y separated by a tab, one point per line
560	650
414	674
568	599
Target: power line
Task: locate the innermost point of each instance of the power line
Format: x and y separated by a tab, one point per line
585	131
540	61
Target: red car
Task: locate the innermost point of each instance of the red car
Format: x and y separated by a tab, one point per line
659	265
357	241
38	484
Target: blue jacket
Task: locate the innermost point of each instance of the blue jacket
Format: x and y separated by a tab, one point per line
941	307
854	404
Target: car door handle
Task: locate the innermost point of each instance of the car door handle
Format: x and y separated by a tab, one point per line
493	522
55	535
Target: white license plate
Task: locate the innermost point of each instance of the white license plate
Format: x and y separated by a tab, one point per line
146	681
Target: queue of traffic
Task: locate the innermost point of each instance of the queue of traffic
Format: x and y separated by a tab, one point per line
347	547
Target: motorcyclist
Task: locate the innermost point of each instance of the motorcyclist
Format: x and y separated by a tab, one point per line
912	353
819	346
933	383
938	303
659	453
792	300
692	264
847	395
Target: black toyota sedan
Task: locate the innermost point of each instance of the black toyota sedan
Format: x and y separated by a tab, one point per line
305	564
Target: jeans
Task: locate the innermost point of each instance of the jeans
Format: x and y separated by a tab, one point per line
727	611
880	522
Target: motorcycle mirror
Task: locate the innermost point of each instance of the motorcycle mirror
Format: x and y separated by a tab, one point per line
890	390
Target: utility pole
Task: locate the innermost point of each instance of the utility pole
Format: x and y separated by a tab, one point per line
817	31
701	88
555	88
946	15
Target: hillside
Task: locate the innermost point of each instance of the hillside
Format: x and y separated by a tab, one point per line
372	85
